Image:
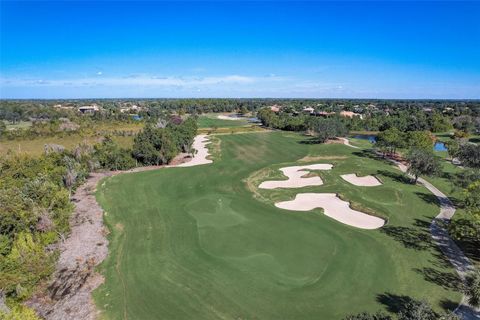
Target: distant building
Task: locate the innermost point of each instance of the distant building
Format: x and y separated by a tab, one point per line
448	110
275	108
308	110
89	109
131	109
324	114
350	114
64	107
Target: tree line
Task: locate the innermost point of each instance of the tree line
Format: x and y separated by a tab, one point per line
35	193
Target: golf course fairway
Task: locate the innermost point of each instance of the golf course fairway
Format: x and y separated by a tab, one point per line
205	242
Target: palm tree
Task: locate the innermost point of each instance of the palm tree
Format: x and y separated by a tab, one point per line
472	288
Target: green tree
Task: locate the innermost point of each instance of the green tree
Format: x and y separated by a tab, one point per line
417	310
453	148
144	149
389	140
3	128
472	288
329	128
243	110
19	312
369	316
267	117
472	197
464	123
420	140
469	155
112	157
440	123
422	162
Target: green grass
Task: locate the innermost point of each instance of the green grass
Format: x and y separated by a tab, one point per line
204	243
210	120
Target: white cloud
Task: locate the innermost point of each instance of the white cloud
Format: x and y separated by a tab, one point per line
99	73
137	80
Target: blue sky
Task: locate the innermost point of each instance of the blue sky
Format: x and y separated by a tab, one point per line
239	49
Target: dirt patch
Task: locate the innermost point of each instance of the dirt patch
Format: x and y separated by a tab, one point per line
334	141
214	148
254	180
68	296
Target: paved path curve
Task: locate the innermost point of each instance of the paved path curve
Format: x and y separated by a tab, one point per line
346	142
449	248
442	239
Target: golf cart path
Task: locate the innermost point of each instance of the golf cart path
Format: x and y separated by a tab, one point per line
346	142
449	248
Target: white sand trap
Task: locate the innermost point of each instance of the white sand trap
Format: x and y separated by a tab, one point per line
295	179
224	117
334	207
200	157
366	181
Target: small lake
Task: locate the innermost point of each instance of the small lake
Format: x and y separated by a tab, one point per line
370	137
439	146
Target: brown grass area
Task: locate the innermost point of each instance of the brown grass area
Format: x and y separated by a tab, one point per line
255	179
35	147
310	174
214	148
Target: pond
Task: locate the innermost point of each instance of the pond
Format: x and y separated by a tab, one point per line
439	146
370	137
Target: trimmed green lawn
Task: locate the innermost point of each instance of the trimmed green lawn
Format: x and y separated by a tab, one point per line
204	243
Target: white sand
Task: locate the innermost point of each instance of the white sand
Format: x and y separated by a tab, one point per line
200	157
295	179
334	207
366	181
224	117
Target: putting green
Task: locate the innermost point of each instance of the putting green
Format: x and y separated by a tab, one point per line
205	243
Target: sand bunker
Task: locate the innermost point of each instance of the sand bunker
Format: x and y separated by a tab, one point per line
334	207
366	181
200	157
224	117
295	177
